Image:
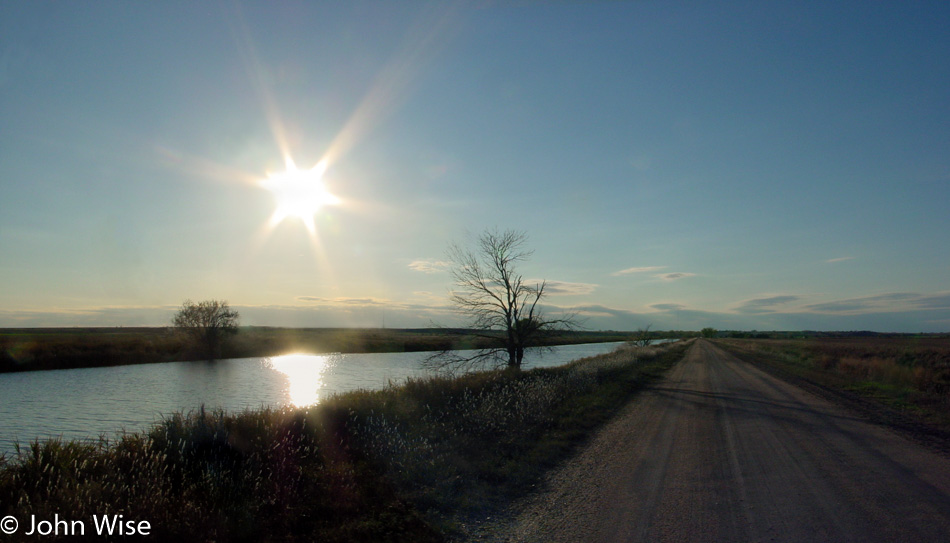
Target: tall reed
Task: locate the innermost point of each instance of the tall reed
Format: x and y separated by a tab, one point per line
409	462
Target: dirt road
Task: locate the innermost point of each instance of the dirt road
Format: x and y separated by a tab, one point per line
720	451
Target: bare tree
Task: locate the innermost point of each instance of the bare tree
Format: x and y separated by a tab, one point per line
643	337
499	304
208	323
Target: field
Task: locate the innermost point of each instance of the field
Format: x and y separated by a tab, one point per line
908	374
408	463
56	348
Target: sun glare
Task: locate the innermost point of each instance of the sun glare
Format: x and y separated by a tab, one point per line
299	193
304	373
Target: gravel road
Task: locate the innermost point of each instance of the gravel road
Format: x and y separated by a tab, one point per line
720	451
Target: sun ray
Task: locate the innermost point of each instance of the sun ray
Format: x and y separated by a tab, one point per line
299	194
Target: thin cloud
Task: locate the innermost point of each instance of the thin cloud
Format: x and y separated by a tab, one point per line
871	304
347	312
365	303
888	312
839	259
92	316
429	266
934	301
674	276
668	307
596	310
765	305
642	269
343	301
426	295
565	288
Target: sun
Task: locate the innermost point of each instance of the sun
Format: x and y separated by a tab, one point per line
298	193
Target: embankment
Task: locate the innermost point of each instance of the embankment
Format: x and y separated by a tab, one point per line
412	462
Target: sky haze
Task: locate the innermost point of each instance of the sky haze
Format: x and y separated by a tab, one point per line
740	165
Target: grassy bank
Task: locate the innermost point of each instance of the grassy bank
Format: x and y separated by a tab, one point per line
408	463
58	348
910	375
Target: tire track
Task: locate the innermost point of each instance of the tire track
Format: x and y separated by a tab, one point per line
721	451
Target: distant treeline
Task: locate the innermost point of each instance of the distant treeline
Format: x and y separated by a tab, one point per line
26	349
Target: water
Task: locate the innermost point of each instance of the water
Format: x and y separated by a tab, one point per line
91	402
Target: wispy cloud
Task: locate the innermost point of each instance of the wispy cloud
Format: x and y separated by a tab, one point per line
765	305
429	296
429	303
674	276
565	288
93	316
668	307
839	259
887	312
935	301
890	302
429	266
597	310
343	301
642	269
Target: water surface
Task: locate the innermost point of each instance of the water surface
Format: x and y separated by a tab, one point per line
89	402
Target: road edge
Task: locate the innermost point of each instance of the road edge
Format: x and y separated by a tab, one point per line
904	424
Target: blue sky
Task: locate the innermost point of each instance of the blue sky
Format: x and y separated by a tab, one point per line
753	165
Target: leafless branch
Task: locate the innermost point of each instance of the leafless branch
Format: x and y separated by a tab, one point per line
493	296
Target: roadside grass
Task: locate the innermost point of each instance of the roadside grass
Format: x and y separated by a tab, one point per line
911	375
413	462
59	348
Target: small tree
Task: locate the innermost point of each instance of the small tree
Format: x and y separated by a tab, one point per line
207	323
709	332
643	337
497	302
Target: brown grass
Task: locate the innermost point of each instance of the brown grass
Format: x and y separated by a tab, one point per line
408	463
912	374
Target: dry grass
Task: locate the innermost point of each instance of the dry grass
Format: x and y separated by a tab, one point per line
912	374
407	463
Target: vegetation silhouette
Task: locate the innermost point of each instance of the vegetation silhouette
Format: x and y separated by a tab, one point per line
498	303
208	324
406	463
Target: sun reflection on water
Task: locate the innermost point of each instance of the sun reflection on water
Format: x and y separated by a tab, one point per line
304	376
